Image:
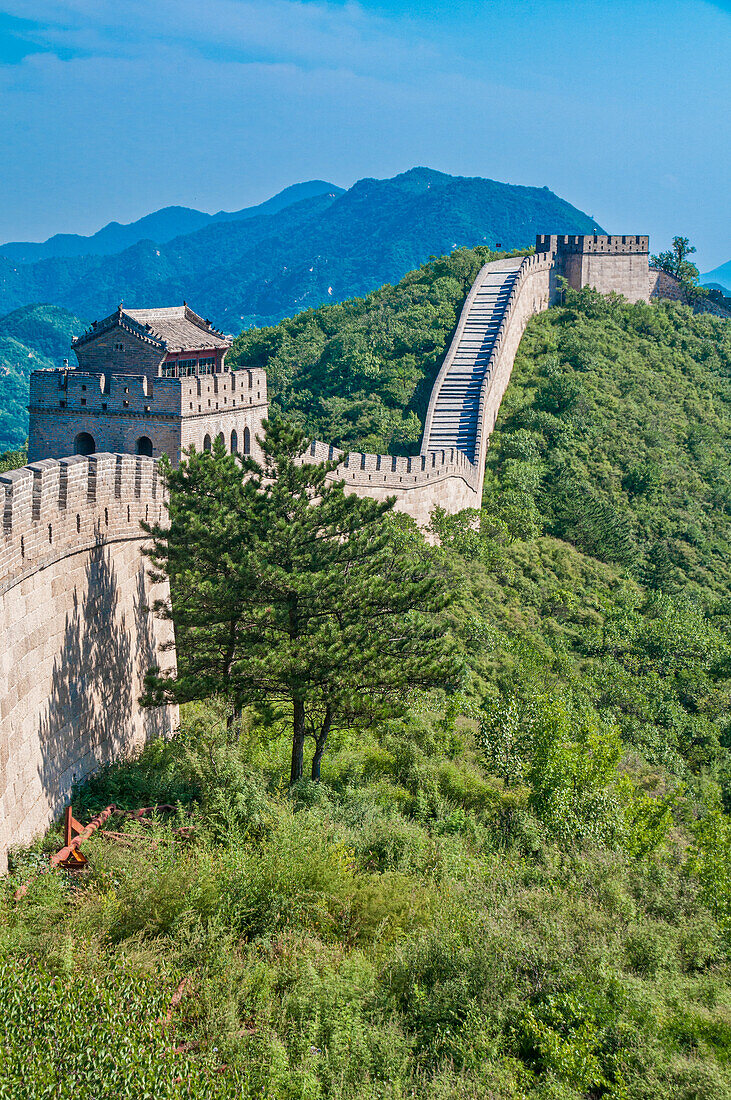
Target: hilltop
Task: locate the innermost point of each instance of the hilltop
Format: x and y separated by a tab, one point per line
327	247
719	278
35	337
160	226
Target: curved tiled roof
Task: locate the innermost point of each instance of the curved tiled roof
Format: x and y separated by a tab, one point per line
179	327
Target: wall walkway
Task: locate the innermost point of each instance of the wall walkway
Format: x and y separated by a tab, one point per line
465	398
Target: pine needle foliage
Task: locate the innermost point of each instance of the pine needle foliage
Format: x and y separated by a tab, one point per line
287	590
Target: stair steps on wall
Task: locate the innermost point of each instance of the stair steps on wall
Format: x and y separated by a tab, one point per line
455	413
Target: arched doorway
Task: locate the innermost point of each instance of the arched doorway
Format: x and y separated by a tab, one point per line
234	442
221	438
247	441
144	446
207	442
84	444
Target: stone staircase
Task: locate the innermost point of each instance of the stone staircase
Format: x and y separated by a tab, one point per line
455	406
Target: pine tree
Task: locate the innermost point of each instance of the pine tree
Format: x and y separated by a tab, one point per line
286	589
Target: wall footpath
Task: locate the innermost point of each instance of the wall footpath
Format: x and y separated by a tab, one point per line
76	627
447	478
531	294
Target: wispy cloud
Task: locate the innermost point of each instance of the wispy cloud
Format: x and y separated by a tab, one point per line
115	107
312	34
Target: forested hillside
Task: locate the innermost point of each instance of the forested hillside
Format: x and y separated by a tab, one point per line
519	887
36	337
359	374
325	248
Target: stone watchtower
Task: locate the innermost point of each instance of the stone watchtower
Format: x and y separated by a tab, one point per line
619	264
148	382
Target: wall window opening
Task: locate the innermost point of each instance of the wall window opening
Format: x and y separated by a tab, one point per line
84	444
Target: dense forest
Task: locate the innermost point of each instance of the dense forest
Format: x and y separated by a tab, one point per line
520	887
36	337
324	248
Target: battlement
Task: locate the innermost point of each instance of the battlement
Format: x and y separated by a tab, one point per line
82	412
139	395
78	631
595	243
391	471
55	506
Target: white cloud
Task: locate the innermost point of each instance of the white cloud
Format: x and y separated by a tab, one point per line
311	33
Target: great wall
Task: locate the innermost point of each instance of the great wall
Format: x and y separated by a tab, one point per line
75	592
78	635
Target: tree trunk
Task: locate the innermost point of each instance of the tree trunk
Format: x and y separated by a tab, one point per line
235	714
320	741
298	741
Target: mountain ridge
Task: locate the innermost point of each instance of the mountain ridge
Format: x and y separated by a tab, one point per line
326	247
160	226
719	277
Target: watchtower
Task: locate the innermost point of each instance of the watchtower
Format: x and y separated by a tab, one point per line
148	382
609	263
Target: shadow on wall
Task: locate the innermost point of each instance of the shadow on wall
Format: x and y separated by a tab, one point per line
154	719
92	708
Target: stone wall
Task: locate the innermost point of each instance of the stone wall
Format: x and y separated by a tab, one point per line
117	410
611	264
530	295
420	483
221	404
77	635
663	285
131	353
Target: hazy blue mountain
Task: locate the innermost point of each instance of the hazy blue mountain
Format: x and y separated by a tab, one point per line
324	248
161	226
36	337
720	278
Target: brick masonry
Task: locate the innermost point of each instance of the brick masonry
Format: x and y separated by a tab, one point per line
77	633
73	585
119	410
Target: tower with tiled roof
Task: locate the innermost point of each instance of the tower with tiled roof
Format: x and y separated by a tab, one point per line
149	382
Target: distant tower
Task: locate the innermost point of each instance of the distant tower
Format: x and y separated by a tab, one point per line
148	382
619	264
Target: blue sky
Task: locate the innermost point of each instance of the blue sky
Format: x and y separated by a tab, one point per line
112	108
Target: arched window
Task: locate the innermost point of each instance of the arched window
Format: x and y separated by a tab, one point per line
234	442
207	442
84	444
144	446
220	438
247	441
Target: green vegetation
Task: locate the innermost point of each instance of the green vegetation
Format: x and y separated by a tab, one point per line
675	261
326	248
359	374
36	337
520	890
12	460
295	592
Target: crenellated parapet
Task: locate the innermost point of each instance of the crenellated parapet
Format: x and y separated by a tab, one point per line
596	242
144	415
392	471
138	395
77	629
59	506
419	482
